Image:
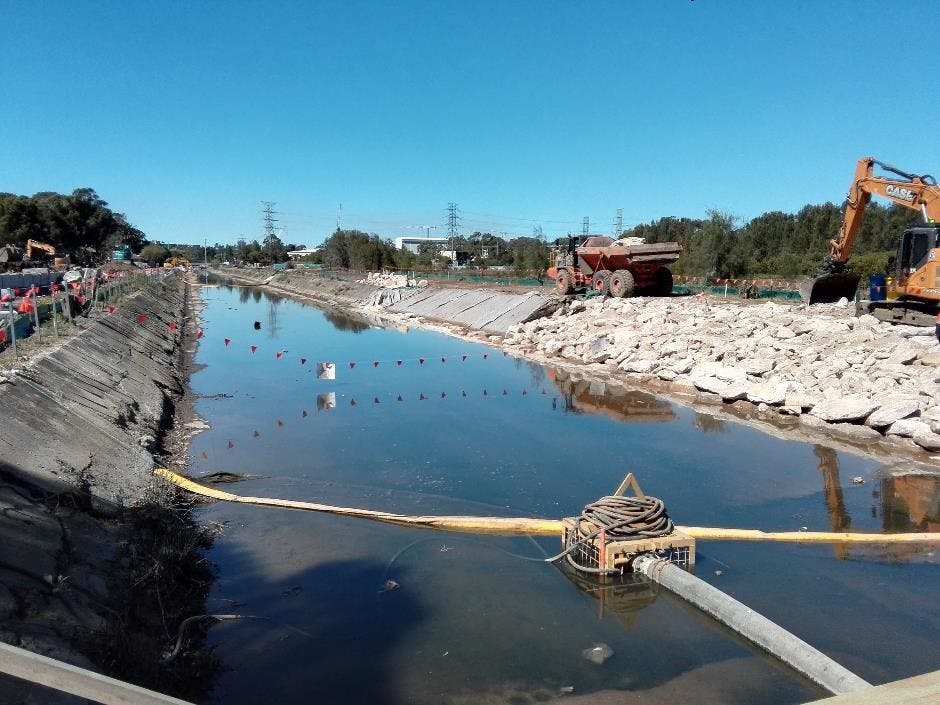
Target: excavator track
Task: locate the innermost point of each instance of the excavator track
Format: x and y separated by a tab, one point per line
901	311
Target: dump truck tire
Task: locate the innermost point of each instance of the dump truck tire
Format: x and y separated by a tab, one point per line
622	284
563	282
601	282
663	282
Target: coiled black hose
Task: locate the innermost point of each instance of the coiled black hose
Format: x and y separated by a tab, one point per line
620	518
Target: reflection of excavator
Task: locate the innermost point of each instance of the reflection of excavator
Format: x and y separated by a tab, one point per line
58	261
839	518
613	401
918	274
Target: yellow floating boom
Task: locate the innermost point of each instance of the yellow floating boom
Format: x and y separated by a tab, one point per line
532	526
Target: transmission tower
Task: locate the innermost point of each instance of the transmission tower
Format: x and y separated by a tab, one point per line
586	226
618	224
269	219
453	220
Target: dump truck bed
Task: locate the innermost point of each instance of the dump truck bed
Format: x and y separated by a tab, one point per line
614	256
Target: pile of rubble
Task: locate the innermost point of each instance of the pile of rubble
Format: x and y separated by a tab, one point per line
825	364
388	280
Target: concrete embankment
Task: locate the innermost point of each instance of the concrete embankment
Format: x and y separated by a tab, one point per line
487	310
88	538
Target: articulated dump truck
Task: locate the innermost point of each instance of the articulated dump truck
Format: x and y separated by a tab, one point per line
620	268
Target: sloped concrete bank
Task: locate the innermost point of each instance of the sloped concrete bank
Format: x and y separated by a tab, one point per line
96	562
487	310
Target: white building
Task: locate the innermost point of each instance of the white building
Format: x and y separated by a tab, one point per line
299	254
413	243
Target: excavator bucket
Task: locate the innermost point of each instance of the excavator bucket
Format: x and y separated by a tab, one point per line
829	288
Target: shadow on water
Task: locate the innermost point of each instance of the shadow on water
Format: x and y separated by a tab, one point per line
342	322
322	634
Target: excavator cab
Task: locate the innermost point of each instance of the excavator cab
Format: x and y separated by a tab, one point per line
914	250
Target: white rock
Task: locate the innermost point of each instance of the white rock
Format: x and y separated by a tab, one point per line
638	366
928	441
891	411
908	428
758	366
772	393
844	409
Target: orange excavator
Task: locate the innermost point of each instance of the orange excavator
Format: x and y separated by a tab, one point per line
917	286
59	261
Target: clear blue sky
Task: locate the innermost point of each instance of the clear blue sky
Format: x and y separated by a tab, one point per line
185	116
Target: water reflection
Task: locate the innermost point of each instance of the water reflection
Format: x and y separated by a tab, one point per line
622	596
345	323
706	423
614	401
911	503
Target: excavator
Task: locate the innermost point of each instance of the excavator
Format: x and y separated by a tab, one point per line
917	287
59	261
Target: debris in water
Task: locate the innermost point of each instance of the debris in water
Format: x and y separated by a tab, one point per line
717	572
857	480
388	586
566	689
598	653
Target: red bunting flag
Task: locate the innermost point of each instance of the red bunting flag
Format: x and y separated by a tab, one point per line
76	286
420	360
278	354
280	424
3	336
4	298
141	317
199	333
53	288
463	393
443	395
303	413
485	355
352	365
399	397
352	402
255	434
375	364
463	358
25	306
375	400
505	393
303	361
231	445
421	397
80	299
443	359
226	341
172	326
525	392
485	394
253	347
111	309
505	353
204	455
398	362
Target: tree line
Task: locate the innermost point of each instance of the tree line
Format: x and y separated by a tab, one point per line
82	226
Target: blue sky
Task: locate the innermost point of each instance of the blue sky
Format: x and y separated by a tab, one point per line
185	116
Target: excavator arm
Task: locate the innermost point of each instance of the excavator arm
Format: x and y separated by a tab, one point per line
33	245
909	190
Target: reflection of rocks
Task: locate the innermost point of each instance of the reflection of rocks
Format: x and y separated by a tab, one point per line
823	365
598	653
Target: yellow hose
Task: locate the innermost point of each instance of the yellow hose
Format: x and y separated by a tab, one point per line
536	527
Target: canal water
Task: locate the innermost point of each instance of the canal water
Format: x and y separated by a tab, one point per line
421	423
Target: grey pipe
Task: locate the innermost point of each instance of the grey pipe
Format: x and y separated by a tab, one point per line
774	639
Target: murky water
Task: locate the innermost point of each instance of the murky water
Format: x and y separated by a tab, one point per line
471	620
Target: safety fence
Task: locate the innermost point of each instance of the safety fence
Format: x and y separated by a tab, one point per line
23	310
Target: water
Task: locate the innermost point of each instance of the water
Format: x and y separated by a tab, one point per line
471	620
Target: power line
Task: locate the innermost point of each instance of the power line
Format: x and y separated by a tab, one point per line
586	226
618	224
269	219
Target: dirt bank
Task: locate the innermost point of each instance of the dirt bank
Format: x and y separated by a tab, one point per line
98	565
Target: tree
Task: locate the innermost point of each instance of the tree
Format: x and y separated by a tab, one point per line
155	254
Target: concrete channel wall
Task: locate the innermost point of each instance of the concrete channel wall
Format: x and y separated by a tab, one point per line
477	309
76	428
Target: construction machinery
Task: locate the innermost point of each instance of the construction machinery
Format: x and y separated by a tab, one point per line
618	268
59	261
176	262
916	292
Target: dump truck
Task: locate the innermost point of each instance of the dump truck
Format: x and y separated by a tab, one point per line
618	268
916	293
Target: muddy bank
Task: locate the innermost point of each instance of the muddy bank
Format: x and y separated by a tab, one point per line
98	565
860	384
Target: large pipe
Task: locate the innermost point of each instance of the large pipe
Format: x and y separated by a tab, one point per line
774	639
